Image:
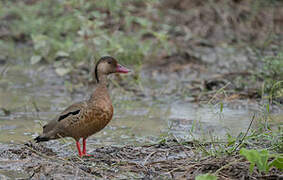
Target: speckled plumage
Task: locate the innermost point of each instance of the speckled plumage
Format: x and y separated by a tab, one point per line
93	116
82	119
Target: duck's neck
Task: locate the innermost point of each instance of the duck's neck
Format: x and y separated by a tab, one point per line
101	91
102	80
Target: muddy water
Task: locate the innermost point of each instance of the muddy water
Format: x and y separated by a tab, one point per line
35	95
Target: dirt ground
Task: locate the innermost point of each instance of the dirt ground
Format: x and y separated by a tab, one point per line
170	160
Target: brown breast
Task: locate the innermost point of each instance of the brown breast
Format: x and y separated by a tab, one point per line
95	116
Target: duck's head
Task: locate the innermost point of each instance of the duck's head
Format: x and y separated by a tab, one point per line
108	65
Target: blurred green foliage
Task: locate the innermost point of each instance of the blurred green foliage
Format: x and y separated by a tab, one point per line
272	75
80	29
206	177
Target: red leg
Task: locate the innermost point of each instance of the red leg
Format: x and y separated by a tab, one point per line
84	148
79	148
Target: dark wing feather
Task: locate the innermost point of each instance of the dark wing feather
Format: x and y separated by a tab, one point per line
67	114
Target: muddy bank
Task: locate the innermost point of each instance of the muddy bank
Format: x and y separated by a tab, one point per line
165	160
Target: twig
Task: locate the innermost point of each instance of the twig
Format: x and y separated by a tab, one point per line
50	157
241	141
225	166
217	92
181	145
35	106
144	163
43	155
225	75
4	70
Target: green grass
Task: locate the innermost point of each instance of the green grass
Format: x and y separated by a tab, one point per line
272	75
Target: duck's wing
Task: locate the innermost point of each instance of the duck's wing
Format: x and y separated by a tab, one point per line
71	111
51	130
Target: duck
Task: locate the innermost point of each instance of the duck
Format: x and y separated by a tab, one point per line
83	119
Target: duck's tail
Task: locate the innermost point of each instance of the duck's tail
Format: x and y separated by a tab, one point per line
49	132
41	138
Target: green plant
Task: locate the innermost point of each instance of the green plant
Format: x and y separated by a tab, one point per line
206	177
260	159
272	75
268	135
